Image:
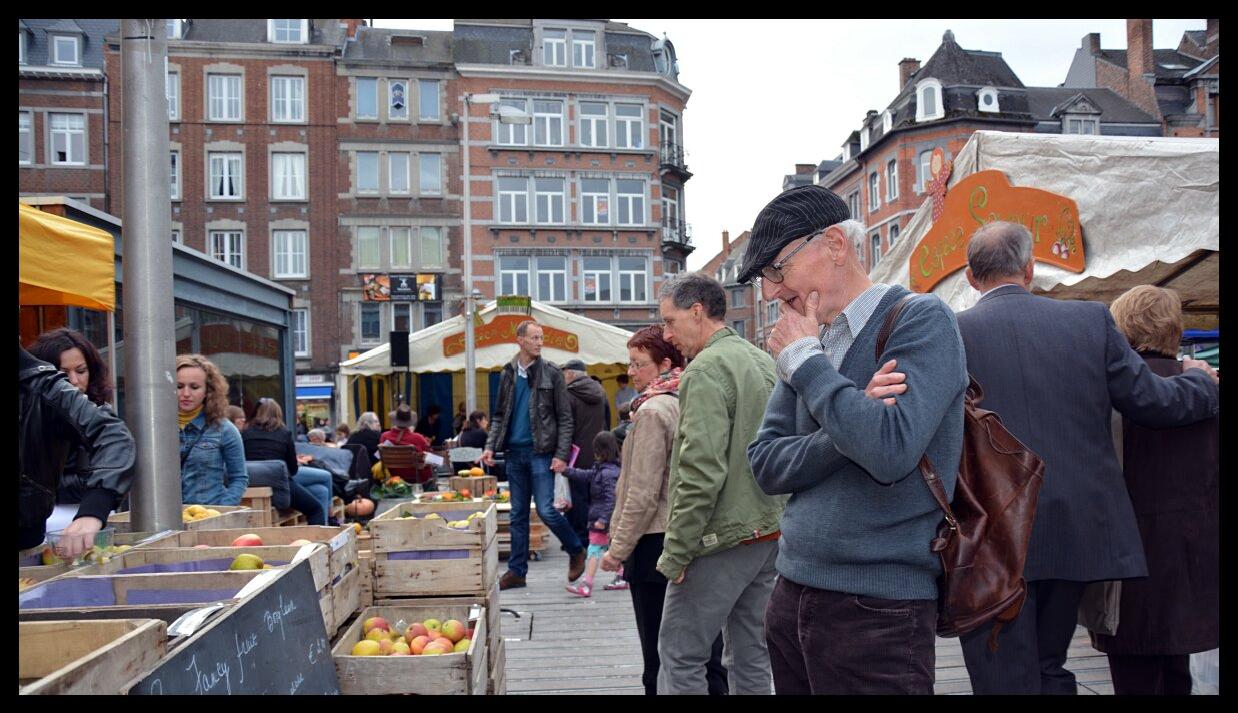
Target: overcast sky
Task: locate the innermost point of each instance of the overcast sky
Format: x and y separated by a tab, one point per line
767	94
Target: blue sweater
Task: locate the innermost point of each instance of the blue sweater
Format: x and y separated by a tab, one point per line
520	433
860	517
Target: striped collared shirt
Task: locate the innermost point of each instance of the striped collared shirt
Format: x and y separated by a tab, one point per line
836	338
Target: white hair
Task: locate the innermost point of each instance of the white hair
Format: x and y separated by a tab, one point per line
316	432
369	419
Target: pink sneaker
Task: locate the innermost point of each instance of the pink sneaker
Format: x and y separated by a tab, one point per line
615	584
581	590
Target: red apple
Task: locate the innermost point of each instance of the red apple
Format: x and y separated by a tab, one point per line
418	644
454	630
416	629
247	540
375	622
202	547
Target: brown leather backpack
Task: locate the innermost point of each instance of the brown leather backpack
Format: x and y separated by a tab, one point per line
983	539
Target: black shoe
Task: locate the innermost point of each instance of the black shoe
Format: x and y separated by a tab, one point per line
576	566
511	580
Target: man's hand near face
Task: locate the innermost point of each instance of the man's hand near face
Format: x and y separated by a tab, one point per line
792	325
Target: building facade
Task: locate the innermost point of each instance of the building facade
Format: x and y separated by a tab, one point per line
741	299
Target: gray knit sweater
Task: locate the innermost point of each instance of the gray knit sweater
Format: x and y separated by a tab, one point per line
860	517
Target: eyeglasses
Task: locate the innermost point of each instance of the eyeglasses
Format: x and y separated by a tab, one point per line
637	365
773	272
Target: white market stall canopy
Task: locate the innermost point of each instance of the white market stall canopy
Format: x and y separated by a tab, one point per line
1149	209
440	348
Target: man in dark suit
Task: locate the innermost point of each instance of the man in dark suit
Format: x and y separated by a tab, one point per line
1054	370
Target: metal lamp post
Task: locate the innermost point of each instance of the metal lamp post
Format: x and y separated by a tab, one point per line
505	115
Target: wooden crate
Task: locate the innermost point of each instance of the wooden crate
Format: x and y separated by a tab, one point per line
43	572
229	516
345	598
132	596
497	685
477	485
425	557
162	558
493	614
342	541
464	673
86	657
259	499
365	558
539	534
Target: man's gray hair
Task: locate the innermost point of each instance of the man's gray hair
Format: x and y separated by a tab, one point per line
999	249
316	433
369	419
855	233
688	288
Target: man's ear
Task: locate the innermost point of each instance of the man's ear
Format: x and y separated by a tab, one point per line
971	279
835	239
1028	271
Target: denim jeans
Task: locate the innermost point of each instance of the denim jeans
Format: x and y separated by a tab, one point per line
529	475
308	503
318	482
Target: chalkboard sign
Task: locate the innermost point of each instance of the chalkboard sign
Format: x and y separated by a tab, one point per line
272	642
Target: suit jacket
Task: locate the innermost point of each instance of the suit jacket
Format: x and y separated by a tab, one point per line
1053	370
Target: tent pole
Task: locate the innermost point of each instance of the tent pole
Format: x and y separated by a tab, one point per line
111	357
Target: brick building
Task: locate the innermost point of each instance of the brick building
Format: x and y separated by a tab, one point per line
1180	88
583	208
741	313
62	109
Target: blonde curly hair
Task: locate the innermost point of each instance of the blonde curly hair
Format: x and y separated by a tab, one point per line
215	405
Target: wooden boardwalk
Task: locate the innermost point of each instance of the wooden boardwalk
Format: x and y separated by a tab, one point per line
562	644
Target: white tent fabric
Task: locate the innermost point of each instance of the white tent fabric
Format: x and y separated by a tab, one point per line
1146	205
600	343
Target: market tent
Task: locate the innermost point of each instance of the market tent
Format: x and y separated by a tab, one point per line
1149	209
63	262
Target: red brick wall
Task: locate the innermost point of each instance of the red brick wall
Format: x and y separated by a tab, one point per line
41	177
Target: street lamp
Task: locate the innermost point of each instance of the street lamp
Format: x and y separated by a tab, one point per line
505	115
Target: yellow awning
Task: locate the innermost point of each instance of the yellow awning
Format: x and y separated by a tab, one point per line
64	262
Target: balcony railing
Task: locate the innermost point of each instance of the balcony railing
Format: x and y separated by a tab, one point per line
676	231
671	156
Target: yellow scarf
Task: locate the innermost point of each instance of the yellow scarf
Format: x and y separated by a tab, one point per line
186	416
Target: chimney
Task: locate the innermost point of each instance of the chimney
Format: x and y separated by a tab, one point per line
352	26
803	169
1139	49
726	242
906	68
1091	43
1212	37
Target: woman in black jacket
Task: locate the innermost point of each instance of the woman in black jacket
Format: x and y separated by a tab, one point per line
369	429
268	439
474	435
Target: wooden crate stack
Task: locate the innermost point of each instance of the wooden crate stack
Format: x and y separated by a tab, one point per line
86	657
539	534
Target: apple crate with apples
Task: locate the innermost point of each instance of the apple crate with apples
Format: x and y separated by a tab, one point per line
435	549
87	657
445	654
229	516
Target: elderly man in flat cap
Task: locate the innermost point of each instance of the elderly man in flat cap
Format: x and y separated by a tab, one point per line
854	608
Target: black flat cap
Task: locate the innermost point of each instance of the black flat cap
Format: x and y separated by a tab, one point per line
793	214
573	365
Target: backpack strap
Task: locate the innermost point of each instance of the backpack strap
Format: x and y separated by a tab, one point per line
931	479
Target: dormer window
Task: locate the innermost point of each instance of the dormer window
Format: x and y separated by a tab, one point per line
569	47
174	29
1080	124
986	100
289	32
21	46
928	100
584	50
847	151
864	139
887	122
66	50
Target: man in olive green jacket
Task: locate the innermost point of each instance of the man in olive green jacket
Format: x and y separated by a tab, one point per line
721	536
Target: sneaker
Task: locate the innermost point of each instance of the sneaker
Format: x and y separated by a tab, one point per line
581	590
576	566
511	580
616	583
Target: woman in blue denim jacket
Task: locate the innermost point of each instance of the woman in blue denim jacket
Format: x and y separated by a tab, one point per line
212	455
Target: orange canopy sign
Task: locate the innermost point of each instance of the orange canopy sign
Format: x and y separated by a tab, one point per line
984	197
502	330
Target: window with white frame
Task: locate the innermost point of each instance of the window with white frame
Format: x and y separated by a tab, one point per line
227	181
513	275
859	251
670	208
427	100
291	254
288	99
925	172
288	176
893	234
584	49
66	49
853	204
548	199
397	95
431	174
630	195
371	327
595	201
513	134
547	122
25	138
592	132
367	98
21	46
68	139
431	239
737	298
738	326
402	317
173	29
176	237
864	139
397	173
513	199
986	100
928	100
633	278
228	246
892	180
551	279
431	313
368	254
554	48
874	191
289	31
401	246
174	177
629	126
772	312
1081	125
596	279
300	332
876	242
367	172
173	82
887	122
223	93
668	126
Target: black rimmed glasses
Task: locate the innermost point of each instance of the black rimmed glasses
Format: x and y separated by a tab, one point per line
773	272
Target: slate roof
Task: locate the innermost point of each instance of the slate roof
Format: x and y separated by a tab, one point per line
376	44
93	31
1199	37
1114	108
251	31
493	41
1160	58
952	65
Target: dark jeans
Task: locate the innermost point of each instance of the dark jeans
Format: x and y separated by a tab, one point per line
578	516
648	589
1151	675
307	502
837	643
529	476
1031	650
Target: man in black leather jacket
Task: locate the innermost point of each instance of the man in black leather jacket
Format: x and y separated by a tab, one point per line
54	416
